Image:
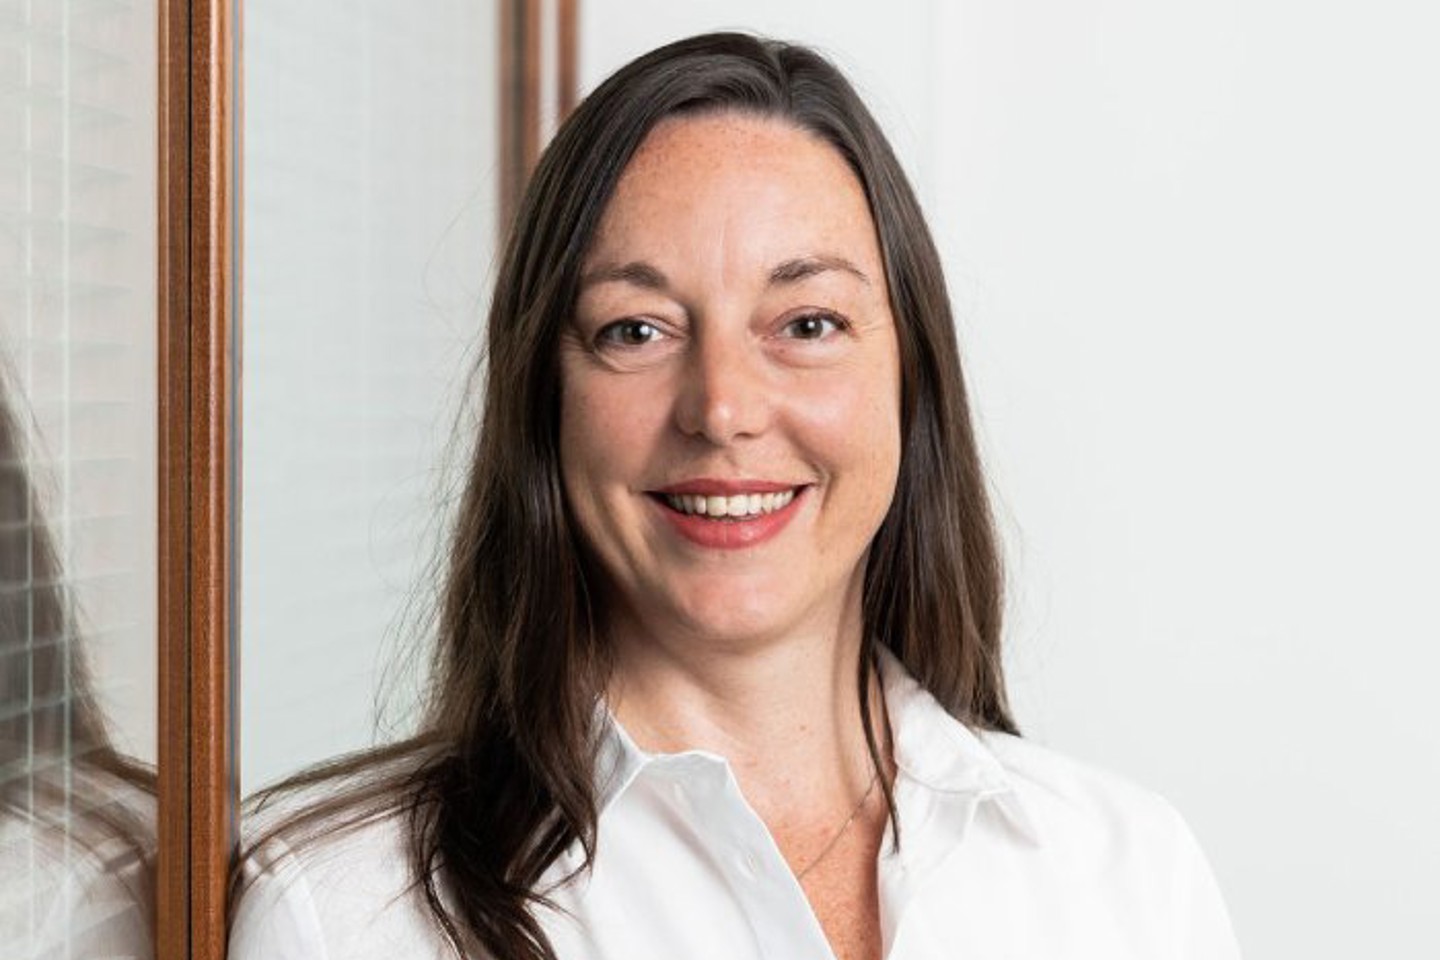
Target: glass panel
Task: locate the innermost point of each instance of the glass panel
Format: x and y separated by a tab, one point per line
369	213
77	477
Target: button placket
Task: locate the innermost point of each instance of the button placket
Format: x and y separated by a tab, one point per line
780	915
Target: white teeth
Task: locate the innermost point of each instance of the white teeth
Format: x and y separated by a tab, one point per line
741	505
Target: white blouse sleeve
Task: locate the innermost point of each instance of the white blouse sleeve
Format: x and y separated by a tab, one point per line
277	918
1203	929
346	896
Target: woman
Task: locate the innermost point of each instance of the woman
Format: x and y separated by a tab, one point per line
718	669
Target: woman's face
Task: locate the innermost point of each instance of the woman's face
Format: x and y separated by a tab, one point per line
730	415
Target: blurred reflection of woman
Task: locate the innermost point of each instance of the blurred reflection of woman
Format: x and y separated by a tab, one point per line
77	834
718	671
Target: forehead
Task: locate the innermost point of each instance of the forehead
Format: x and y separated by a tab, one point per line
737	187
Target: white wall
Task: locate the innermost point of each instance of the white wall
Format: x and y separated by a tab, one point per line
369	223
1193	248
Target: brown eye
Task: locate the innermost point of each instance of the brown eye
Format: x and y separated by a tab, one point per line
628	333
813	326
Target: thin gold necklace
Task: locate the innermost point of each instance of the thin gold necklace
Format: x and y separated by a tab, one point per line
843	827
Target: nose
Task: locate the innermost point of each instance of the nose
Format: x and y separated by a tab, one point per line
725	393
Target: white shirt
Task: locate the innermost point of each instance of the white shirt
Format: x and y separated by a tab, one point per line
81	893
1008	850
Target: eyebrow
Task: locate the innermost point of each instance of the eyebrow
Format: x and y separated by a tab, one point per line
641	274
801	268
638	273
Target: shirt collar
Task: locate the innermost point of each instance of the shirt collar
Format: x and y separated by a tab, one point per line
618	759
932	748
942	754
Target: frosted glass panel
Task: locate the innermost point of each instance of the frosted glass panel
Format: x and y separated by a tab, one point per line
77	478
369	210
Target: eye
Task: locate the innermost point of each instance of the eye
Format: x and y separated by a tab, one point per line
813	326
628	333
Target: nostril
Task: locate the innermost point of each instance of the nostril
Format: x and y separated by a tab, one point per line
722	394
721	419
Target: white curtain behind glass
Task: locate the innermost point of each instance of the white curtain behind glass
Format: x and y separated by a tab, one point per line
77	309
77	476
369	218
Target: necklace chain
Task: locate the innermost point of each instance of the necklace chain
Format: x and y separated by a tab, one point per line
843	827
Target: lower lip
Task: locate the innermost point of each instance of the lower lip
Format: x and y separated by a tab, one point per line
731	534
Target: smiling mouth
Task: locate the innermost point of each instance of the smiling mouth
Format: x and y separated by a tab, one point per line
732	508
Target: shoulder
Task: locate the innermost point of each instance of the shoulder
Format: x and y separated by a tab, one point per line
1120	842
1086	811
84	882
346	891
1068	792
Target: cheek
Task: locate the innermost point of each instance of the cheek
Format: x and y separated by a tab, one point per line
588	450
606	433
855	425
584	462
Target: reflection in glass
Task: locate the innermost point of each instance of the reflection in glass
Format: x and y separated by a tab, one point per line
76	816
77	478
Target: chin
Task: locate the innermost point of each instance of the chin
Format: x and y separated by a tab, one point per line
737	617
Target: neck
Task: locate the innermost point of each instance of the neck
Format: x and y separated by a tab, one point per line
785	713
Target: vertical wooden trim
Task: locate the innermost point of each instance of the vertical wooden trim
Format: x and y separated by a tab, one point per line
567	57
519	101
172	859
197	322
505	55
213	322
530	99
511	90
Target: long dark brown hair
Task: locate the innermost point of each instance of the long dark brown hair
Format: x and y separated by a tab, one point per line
501	780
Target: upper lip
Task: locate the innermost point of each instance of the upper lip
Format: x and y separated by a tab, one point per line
716	487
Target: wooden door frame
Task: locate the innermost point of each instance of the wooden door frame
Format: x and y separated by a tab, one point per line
523	60
198	322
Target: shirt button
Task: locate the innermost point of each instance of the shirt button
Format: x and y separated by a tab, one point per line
751	863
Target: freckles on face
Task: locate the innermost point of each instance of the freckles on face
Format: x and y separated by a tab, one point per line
609	429
732	348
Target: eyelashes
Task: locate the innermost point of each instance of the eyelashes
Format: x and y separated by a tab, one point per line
816	325
637	333
631	332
